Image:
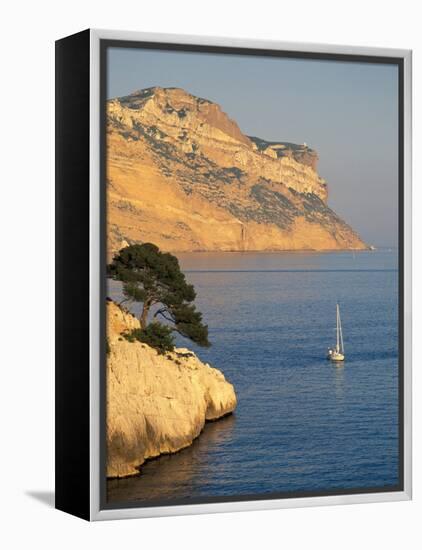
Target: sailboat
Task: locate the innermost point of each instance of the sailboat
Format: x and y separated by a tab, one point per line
337	353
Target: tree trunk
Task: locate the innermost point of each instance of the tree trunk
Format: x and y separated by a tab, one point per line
144	315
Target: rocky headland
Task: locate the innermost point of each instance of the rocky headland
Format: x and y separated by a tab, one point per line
181	174
156	404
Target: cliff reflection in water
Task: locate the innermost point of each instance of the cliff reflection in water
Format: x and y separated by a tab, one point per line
176	475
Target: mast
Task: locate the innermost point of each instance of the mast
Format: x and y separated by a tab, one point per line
341	332
337	329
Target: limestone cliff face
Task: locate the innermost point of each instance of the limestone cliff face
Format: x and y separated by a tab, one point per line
182	174
155	403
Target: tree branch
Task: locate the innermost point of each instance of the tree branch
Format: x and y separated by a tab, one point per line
174	329
162	312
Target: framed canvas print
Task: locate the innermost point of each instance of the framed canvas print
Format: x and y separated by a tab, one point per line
233	275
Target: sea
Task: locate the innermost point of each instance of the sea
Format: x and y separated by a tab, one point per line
303	425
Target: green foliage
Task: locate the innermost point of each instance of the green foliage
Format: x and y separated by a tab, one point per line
156	335
189	324
132	292
155	279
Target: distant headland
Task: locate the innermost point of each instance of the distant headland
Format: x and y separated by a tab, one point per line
182	174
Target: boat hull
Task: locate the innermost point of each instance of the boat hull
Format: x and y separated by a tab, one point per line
338	357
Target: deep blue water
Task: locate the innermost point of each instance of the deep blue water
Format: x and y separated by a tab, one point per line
302	423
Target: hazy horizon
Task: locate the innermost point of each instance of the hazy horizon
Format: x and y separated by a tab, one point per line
347	112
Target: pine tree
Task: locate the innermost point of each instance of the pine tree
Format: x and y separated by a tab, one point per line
154	278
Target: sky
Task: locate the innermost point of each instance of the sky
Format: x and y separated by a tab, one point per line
346	111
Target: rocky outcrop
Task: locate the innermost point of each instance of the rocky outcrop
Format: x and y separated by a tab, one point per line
155	403
181	174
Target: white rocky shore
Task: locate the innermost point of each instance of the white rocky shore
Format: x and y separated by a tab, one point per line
155	403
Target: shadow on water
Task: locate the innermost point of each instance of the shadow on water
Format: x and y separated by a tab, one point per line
174	474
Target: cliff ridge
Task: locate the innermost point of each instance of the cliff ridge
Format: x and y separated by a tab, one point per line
182	174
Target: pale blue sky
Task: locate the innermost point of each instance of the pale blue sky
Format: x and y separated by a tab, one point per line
347	112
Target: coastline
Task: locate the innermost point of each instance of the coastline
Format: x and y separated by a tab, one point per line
156	404
175	452
293	311
367	248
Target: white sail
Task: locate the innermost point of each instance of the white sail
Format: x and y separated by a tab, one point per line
340	331
337	329
337	354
